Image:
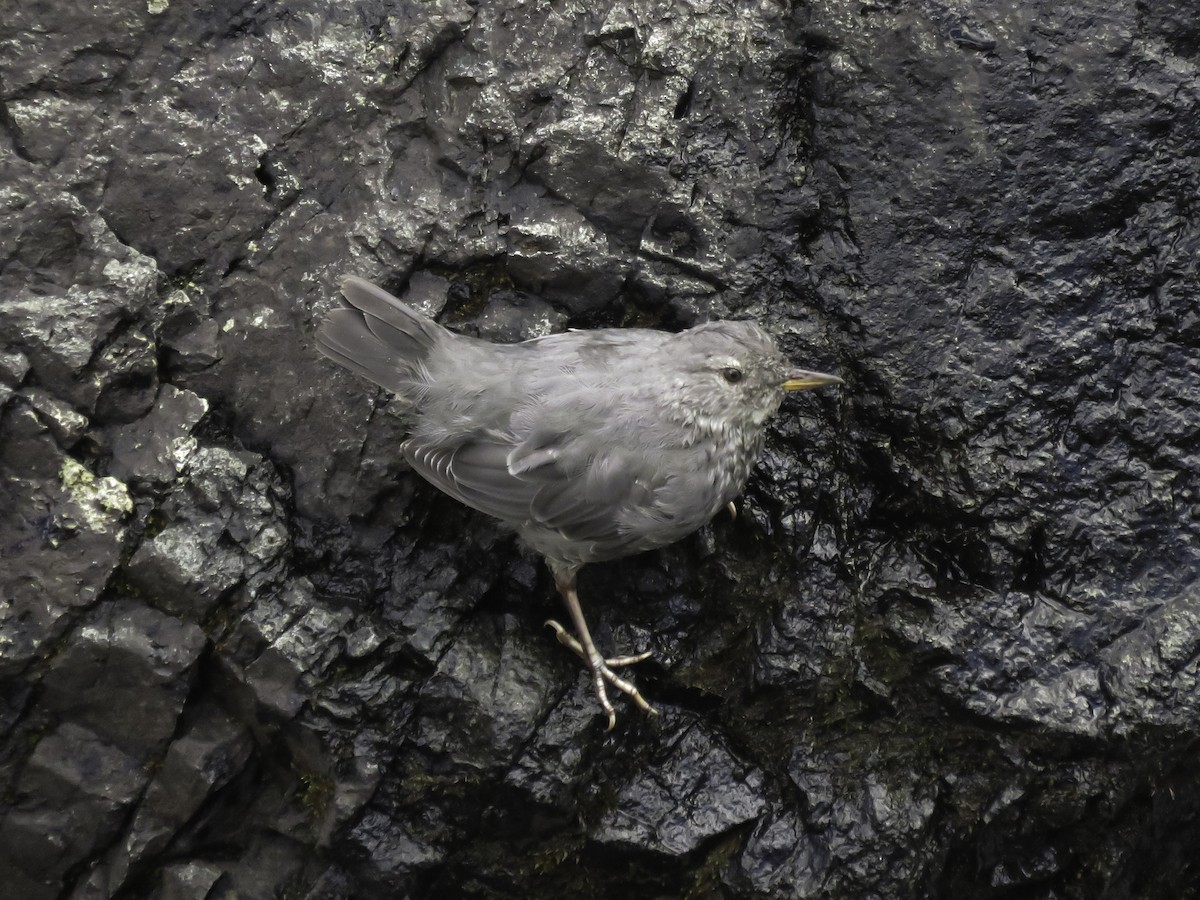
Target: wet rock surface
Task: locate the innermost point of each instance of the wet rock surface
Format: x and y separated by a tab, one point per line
947	649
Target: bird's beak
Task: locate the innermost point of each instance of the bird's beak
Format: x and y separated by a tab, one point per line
801	380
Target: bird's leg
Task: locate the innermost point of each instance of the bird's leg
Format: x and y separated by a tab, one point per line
600	667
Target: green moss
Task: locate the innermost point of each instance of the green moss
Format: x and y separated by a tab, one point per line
706	878
318	794
156	523
470	290
103	501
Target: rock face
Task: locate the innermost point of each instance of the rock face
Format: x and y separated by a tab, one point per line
951	647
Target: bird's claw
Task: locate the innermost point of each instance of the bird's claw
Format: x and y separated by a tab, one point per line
602	671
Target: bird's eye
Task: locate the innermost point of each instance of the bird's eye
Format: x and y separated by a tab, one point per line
732	375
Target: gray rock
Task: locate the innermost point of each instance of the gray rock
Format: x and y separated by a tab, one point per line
427	292
60	539
187	568
188	881
64	423
13	367
554	250
68	288
227	529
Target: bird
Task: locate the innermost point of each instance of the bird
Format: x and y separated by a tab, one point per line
591	445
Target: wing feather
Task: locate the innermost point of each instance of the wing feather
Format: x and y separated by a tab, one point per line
562	492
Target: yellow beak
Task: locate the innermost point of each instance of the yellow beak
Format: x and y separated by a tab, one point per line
801	380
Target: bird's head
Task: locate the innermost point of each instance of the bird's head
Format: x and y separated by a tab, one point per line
732	374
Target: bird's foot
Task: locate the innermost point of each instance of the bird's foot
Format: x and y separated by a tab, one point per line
568	640
602	671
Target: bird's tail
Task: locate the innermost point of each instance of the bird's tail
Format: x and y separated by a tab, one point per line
379	337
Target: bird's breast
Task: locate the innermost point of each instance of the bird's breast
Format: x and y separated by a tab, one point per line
732	456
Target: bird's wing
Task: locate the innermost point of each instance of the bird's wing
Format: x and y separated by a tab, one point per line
545	480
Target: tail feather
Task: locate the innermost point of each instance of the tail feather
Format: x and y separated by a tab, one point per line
379	337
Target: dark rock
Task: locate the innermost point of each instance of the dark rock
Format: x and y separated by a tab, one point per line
128	369
200	761
154	449
946	649
510	317
272	866
429	595
71	799
67	69
363	641
301	649
488	694
854	806
333	884
193	347
387	854
554	764
695	790
125	675
13	367
1149	673
782	858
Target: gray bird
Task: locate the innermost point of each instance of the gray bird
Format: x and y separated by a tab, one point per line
591	445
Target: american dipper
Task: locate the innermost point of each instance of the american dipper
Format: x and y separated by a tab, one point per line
591	445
